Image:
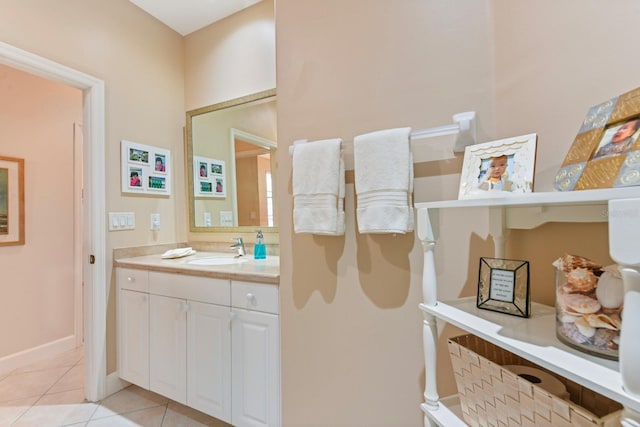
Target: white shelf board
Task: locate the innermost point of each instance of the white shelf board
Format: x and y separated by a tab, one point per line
583	197
448	413
535	340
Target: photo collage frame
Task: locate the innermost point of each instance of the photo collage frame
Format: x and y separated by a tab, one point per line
145	169
209	177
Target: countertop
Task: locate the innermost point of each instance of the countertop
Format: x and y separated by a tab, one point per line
253	270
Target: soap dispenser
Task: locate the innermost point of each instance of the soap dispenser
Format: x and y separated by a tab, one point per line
259	250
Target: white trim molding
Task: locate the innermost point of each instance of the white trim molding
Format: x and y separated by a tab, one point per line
36	354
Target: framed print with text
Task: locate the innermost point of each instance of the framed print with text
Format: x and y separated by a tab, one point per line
503	286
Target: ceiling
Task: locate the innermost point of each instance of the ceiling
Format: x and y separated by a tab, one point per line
187	16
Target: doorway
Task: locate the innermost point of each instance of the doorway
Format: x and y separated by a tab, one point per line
93	251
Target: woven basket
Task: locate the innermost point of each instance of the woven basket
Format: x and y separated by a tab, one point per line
493	396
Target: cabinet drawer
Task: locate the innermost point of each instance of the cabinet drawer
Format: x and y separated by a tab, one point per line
132	279
255	296
203	289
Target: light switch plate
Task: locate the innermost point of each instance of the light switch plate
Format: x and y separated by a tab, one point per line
122	221
226	219
207	219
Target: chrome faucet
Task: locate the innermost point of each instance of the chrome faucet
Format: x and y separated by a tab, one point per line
239	245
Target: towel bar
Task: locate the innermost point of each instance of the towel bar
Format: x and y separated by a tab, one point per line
464	126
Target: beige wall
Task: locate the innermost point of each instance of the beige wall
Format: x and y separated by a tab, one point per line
231	58
37	125
554	60
141	62
351	328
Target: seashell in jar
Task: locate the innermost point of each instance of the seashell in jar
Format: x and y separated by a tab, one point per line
613	269
584	328
568	318
579	303
610	290
601	320
568	262
581	280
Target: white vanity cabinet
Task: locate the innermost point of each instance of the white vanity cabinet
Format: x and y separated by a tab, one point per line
168	347
534	338
255	354
133	326
189	341
210	343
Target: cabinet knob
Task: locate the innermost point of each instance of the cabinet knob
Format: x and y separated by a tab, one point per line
251	298
131	279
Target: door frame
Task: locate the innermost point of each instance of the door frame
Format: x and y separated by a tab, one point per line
93	217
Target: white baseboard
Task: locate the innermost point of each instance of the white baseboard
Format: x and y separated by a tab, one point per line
114	384
36	354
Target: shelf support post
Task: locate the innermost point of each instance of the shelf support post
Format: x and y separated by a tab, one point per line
498	230
624	246
427	231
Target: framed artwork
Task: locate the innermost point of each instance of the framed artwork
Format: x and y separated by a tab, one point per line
11	201
503	285
209	177
145	169
606	151
498	168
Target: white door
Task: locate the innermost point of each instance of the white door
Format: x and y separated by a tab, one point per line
133	337
255	342
209	359
168	347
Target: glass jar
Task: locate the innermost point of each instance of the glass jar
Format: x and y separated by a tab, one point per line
589	309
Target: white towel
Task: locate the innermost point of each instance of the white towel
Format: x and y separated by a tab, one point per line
318	187
383	169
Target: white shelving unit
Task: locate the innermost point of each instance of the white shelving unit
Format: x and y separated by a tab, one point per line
534	338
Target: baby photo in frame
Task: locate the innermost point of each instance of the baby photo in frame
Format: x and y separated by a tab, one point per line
498	168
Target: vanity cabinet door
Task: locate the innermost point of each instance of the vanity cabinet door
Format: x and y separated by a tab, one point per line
255	342
209	359
168	347
133	337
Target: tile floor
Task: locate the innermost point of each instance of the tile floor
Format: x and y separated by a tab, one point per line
50	394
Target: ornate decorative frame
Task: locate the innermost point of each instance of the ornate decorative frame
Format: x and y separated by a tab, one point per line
580	170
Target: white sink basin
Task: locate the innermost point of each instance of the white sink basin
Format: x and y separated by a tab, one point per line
217	261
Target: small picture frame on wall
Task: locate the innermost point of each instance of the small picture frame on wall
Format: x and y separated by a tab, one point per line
606	151
12	201
498	168
145	169
503	286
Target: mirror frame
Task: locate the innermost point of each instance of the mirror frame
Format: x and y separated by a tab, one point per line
271	93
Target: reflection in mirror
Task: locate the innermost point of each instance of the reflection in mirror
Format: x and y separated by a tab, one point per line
231	155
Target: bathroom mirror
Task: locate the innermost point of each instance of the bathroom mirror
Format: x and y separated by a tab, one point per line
231	165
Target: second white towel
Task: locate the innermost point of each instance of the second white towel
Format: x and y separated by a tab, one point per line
318	187
383	169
